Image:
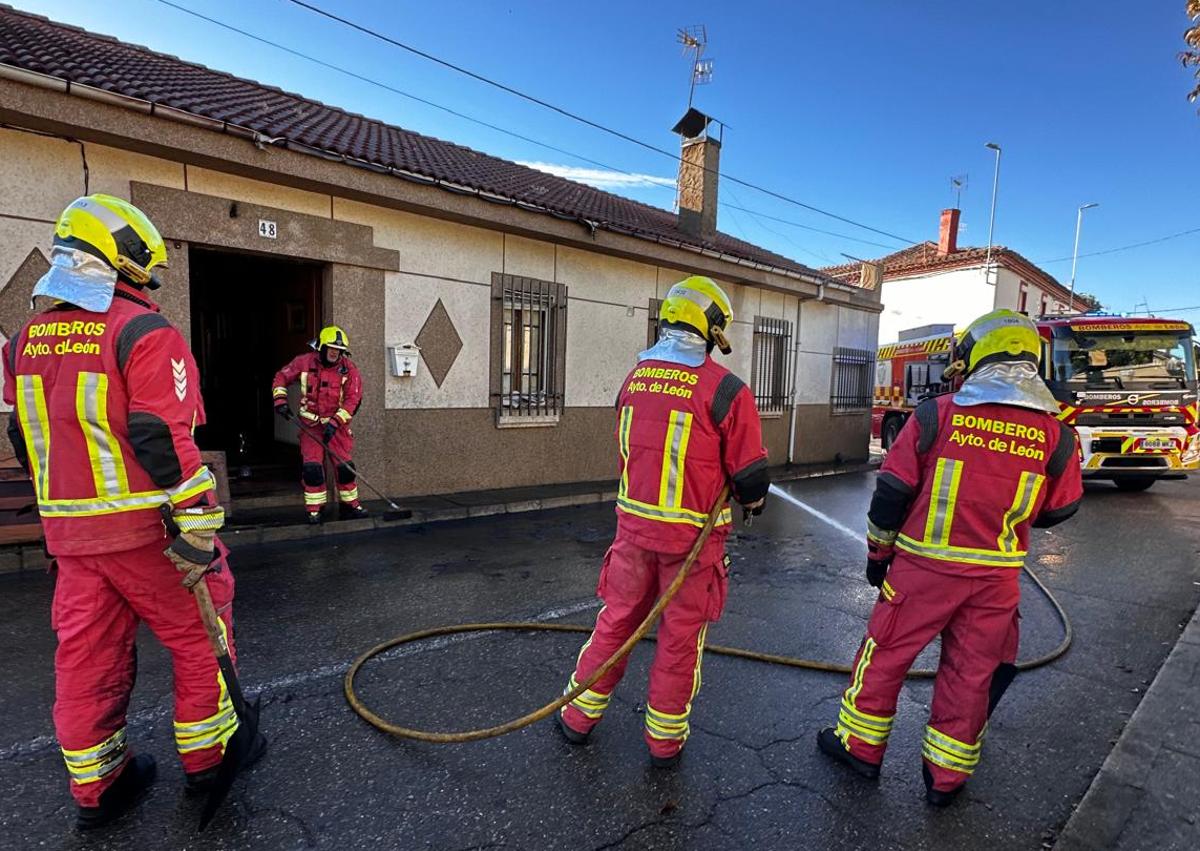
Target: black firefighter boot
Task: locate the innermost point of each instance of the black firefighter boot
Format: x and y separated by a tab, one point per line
351	511
832	747
201	781
933	796
131	784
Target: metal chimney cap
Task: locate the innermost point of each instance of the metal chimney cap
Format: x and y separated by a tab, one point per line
693	124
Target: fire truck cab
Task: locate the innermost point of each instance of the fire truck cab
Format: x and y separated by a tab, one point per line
1127	385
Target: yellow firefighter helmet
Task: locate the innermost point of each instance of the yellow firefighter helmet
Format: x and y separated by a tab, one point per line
699	304
333	337
116	232
1002	335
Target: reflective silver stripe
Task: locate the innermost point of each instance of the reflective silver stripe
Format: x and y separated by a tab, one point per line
961	554
90	764
31	401
679	428
83	757
201	477
623	445
671	515
969	753
93	389
103	505
1022	506
945	760
222	717
943	507
884	536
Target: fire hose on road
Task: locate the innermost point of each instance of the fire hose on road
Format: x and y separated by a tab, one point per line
642	632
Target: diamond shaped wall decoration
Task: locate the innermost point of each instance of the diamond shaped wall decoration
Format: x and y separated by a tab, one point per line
14	298
439	343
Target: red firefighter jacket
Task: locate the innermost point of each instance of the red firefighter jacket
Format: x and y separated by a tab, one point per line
962	486
104	405
682	433
325	391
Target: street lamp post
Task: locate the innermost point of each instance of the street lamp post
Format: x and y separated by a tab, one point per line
987	272
1075	255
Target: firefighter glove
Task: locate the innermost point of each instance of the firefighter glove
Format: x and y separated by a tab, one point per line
192	550
877	572
282	408
755	508
330	428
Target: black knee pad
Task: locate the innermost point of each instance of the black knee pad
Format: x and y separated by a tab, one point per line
345	474
313	475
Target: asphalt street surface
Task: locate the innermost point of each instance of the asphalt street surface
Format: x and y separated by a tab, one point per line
1125	569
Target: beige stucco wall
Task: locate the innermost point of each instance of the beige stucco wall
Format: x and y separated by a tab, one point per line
451	263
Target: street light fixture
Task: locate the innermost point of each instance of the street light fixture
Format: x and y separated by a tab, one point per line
1075	256
987	273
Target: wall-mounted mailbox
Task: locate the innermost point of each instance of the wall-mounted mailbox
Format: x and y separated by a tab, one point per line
404	359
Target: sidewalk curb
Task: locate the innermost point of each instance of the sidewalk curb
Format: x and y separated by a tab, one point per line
29	558
1150	782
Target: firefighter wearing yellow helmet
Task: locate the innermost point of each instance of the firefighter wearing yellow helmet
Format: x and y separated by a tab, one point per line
685	426
105	395
330	395
968	478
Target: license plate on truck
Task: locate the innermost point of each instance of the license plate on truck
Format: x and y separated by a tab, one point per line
1158	443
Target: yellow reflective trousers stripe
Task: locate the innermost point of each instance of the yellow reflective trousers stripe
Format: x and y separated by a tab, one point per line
91	764
668	726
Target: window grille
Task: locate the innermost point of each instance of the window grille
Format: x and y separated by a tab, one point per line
771	370
529	331
852	373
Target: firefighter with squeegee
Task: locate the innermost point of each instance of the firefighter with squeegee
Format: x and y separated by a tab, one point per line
685	427
330	395
947	534
105	395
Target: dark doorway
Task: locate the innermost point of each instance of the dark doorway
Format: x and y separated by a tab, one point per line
250	316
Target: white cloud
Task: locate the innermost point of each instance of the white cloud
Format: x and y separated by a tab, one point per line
602	178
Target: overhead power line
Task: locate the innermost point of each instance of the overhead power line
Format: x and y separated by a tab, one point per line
1127	247
574	116
1168	310
478	121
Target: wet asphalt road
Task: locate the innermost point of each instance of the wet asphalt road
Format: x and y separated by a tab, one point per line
1126	570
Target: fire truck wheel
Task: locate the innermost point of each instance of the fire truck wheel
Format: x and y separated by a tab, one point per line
891	430
1134	483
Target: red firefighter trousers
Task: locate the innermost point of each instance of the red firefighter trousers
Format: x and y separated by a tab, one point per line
630	582
98	603
977	619
312	457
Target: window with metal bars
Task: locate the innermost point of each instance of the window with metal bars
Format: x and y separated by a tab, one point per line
771	372
652	322
853	370
529	345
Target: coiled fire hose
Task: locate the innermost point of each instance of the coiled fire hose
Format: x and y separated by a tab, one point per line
640	633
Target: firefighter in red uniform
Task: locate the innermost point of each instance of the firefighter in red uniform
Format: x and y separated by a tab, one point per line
106	394
686	426
330	395
947	534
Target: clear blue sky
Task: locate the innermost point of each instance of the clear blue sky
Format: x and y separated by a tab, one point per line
866	108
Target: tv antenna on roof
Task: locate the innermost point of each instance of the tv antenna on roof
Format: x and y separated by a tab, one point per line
958	184
694	40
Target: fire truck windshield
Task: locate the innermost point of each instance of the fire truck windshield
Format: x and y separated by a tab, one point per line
1143	360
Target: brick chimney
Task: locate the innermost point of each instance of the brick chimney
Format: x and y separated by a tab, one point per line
699	164
948	232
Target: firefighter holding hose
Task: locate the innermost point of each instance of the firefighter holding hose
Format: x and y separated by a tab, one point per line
330	395
947	533
686	426
105	395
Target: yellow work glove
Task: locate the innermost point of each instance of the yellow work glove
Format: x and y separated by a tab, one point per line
192	550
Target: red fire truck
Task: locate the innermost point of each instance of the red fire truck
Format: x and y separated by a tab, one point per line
1127	384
